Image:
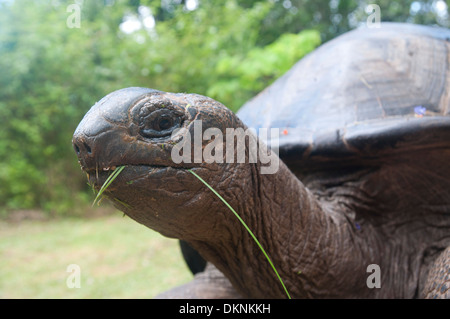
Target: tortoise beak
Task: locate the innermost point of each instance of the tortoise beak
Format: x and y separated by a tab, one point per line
90	143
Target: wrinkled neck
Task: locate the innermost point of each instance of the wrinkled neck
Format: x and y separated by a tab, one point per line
275	207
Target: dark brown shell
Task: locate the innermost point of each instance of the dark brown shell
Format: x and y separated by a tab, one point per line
361	95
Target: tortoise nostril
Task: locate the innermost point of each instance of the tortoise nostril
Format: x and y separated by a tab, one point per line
77	149
82	147
85	148
88	148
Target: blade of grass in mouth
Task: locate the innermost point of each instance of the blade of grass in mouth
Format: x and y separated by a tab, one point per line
247	228
108	182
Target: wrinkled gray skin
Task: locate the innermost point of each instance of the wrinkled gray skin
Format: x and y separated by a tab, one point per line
323	219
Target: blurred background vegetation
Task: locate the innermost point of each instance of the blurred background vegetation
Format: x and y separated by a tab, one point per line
50	74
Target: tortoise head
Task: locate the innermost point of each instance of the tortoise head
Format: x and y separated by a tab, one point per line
142	129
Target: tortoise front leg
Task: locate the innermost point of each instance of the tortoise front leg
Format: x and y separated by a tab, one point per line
438	281
209	284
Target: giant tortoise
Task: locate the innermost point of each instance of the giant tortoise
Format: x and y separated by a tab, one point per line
359	205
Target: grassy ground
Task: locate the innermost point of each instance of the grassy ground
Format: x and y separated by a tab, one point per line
117	258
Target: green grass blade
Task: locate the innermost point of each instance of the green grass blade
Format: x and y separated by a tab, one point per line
108	182
246	227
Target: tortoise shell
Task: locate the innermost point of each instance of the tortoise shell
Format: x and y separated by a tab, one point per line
365	94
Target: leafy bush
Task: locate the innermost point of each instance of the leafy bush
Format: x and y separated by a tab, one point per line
239	78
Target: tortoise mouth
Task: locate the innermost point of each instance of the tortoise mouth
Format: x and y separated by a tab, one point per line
129	175
138	188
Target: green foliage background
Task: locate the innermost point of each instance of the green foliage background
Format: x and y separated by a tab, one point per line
51	74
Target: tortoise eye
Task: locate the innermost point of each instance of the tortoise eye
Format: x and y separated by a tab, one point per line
160	123
163	123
